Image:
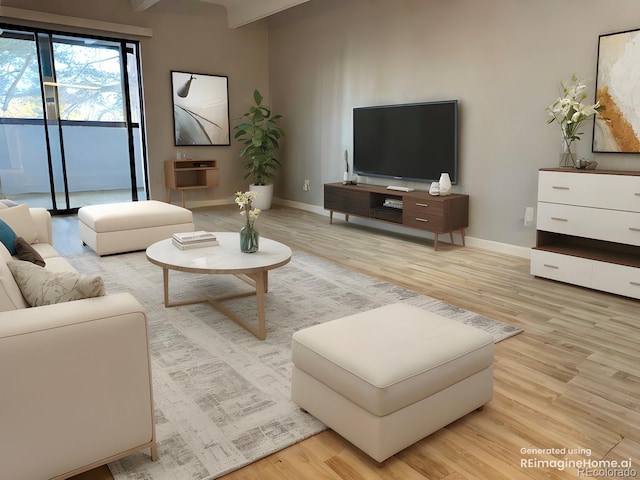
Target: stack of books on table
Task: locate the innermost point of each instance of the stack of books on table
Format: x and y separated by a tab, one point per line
187	240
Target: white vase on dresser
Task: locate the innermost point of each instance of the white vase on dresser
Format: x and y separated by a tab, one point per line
588	229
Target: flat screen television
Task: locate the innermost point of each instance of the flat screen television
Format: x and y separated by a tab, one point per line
416	141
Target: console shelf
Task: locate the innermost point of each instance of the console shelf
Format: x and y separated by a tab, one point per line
418	210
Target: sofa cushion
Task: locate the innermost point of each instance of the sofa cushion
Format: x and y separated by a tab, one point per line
46	251
26	252
19	219
40	286
57	264
8	237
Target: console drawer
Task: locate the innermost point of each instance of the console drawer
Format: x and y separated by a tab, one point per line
424	222
423	207
423	213
436	214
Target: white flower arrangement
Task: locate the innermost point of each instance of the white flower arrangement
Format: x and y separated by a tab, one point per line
244	201
569	111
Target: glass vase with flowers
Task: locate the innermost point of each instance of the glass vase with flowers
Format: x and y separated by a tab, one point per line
570	113
249	236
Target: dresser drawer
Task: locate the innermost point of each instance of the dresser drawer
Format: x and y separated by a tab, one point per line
564	268
619	279
616	192
609	225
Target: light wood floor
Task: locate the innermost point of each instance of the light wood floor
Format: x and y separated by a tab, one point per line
570	381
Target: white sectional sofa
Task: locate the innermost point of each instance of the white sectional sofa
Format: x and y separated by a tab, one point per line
75	377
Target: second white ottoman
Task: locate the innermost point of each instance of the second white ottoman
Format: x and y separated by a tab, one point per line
130	226
386	378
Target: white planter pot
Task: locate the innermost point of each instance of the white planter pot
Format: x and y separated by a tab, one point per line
264	194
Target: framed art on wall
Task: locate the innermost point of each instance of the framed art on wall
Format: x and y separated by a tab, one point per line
617	128
200	109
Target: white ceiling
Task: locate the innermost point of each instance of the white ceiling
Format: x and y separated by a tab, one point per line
239	12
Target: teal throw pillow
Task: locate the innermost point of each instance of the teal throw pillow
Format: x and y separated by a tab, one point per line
8	237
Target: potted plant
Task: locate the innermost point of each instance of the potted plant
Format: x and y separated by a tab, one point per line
259	132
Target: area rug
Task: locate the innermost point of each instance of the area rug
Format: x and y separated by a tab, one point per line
221	395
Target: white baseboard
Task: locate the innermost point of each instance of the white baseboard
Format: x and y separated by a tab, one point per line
301	206
207	203
507	249
489	245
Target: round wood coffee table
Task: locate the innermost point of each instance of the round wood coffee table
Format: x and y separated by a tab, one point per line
224	259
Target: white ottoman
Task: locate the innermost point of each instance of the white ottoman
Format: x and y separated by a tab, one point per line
130	226
386	378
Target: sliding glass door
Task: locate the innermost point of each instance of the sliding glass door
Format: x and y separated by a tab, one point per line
71	130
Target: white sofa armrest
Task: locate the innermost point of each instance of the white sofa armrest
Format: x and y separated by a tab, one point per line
76	386
42	220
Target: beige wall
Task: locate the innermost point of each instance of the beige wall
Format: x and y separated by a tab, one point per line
187	36
502	59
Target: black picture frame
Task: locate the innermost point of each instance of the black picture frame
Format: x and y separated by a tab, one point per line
200	109
617	128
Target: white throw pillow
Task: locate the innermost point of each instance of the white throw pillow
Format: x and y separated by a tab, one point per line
40	286
20	221
11	297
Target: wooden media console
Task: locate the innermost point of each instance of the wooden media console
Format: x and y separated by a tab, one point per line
416	209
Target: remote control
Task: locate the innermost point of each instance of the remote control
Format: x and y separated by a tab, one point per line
400	189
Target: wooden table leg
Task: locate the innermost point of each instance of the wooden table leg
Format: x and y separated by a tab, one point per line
261	289
260	282
165	278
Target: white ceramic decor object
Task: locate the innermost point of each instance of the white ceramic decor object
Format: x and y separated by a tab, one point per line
445	184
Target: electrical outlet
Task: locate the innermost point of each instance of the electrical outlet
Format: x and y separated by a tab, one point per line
528	216
306	186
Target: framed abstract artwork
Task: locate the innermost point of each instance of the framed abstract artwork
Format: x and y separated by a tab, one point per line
200	109
617	128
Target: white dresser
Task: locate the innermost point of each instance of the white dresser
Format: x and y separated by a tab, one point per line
589	229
